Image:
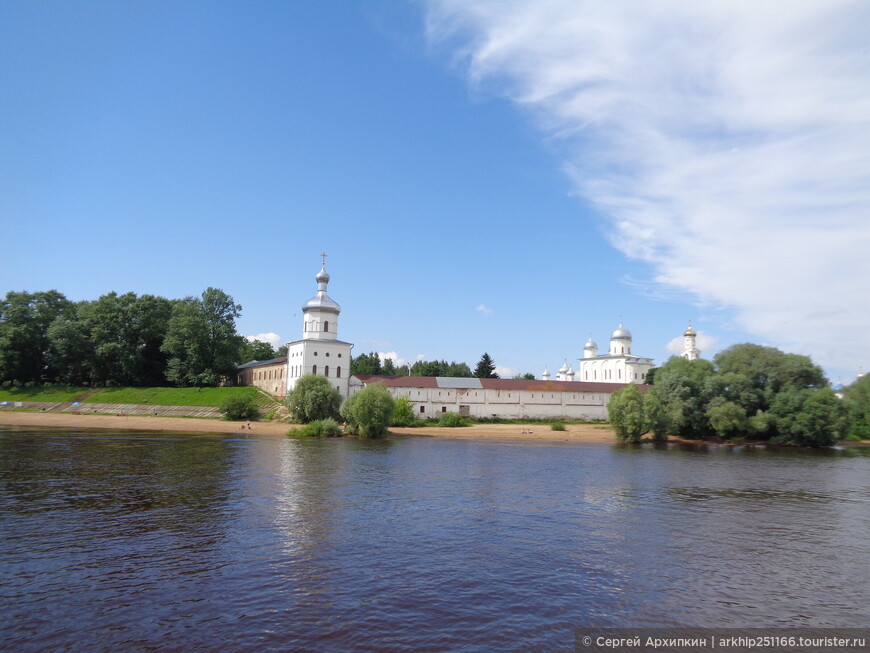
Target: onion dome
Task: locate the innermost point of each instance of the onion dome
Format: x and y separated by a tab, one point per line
570	374
564	369
690	331
590	344
620	333
321	300
546	374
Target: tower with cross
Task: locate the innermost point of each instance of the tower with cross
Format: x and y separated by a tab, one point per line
320	351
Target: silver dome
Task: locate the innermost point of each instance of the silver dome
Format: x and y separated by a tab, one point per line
620	333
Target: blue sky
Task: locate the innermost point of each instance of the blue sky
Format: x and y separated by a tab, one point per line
485	176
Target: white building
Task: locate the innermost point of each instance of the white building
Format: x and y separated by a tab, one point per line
320	351
690	350
618	365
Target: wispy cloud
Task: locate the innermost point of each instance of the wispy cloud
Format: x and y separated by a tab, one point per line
272	338
484	310
727	143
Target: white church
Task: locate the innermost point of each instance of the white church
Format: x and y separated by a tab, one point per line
320	352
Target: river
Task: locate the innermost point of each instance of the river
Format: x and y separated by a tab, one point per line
169	542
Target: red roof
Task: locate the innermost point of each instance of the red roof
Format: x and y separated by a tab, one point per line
493	384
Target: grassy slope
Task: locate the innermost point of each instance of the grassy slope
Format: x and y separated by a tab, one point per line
174	396
51	393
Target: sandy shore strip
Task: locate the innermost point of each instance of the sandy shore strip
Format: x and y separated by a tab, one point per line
539	432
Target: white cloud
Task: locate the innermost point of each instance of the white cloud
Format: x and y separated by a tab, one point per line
703	341
484	310
272	338
397	360
505	372
727	143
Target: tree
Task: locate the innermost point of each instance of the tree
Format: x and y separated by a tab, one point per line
389	367
236	407
256	350
313	398
728	420
485	368
627	414
857	401
366	364
370	410
681	387
24	343
403	414
201	339
808	418
657	415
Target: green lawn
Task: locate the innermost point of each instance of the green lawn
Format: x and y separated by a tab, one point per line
49	393
173	396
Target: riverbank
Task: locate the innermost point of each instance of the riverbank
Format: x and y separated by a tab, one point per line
542	432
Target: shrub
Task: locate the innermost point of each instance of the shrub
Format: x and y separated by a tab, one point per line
370	411
452	420
313	398
320	428
403	414
239	407
557	426
627	415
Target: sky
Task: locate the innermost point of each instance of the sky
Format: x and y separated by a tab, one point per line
484	176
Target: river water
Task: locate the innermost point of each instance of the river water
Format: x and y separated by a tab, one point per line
169	542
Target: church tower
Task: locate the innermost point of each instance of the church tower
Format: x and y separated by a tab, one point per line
690	351
320	351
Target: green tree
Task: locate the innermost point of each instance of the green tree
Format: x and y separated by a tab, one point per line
403	414
389	367
682	387
313	398
70	348
856	397
485	368
236	407
24	343
627	414
728	420
808	418
370	410
366	364
201	339
657	415
256	350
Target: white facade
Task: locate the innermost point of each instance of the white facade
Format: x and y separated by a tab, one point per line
432	397
618	365
320	351
690	350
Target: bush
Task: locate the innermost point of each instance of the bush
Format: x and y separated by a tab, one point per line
320	428
403	414
452	420
627	415
370	411
239	407
557	426
313	398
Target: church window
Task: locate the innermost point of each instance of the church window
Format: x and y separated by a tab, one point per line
326	371
338	372
327	354
314	369
422	409
326	326
620	373
315	353
339	355
443	409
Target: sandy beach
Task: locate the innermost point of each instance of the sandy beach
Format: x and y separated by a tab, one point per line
539	432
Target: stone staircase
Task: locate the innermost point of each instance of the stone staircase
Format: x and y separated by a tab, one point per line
115	409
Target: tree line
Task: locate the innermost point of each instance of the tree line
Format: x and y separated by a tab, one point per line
747	392
371	364
126	340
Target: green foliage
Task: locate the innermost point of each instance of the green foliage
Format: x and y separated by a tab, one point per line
453	420
659	419
680	385
256	350
485	368
366	364
320	428
728	420
809	418
313	398
627	415
201	339
240	406
370	410
857	401
557	426
403	414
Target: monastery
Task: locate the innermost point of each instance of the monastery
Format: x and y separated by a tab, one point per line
321	352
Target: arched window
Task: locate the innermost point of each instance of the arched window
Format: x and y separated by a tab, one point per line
314	369
326	326
338	372
326	371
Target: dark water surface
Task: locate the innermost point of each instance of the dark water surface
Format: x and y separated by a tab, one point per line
119	541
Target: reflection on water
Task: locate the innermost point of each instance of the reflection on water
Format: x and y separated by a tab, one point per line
132	540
